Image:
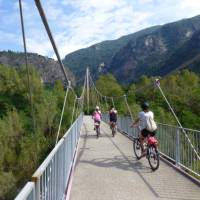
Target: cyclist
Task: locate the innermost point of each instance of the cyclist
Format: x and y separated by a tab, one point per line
97	115
144	116
113	115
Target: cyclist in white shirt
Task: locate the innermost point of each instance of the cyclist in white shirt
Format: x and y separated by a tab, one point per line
142	119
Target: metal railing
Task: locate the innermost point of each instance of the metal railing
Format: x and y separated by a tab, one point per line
173	143
27	193
50	180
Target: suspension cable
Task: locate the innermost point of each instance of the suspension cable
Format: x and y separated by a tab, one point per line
26	62
44	20
46	25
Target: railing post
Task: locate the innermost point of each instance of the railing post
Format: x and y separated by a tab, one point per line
177	147
37	187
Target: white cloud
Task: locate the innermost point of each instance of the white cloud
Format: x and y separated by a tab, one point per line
10	37
190	7
97	21
146	1
101	5
42	47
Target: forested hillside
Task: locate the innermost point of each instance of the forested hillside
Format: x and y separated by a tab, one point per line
48	68
23	146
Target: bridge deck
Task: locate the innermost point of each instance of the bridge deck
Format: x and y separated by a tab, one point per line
107	169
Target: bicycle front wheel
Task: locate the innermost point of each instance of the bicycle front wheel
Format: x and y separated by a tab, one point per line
137	148
153	157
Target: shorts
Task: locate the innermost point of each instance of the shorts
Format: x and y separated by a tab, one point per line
113	120
145	133
97	121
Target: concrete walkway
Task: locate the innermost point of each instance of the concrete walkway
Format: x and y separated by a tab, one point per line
107	169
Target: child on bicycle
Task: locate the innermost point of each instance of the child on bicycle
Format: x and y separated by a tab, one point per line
97	116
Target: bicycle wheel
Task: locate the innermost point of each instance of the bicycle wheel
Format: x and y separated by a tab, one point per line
153	157
98	131
137	148
113	131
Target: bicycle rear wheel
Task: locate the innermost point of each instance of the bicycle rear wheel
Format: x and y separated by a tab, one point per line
137	148
98	131
153	157
113	131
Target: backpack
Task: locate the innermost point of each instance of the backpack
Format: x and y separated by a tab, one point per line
97	116
151	124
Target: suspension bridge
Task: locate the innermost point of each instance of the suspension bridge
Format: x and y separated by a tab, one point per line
83	167
80	166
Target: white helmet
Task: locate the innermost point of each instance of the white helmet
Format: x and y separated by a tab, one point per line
97	107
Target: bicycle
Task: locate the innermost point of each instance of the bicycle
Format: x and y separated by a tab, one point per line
150	149
113	128
97	128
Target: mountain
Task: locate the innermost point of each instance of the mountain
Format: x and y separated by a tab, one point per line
48	68
187	56
157	50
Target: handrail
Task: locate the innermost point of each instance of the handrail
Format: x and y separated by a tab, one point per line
27	193
187	129
43	166
51	178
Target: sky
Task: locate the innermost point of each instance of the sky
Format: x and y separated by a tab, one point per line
77	24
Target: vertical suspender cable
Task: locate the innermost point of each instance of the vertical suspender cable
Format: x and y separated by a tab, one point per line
82	103
106	102
97	94
82	97
73	110
61	117
26	61
128	107
66	94
88	97
113	102
44	20
78	107
101	102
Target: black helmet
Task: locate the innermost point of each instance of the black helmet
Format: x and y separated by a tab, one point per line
145	105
